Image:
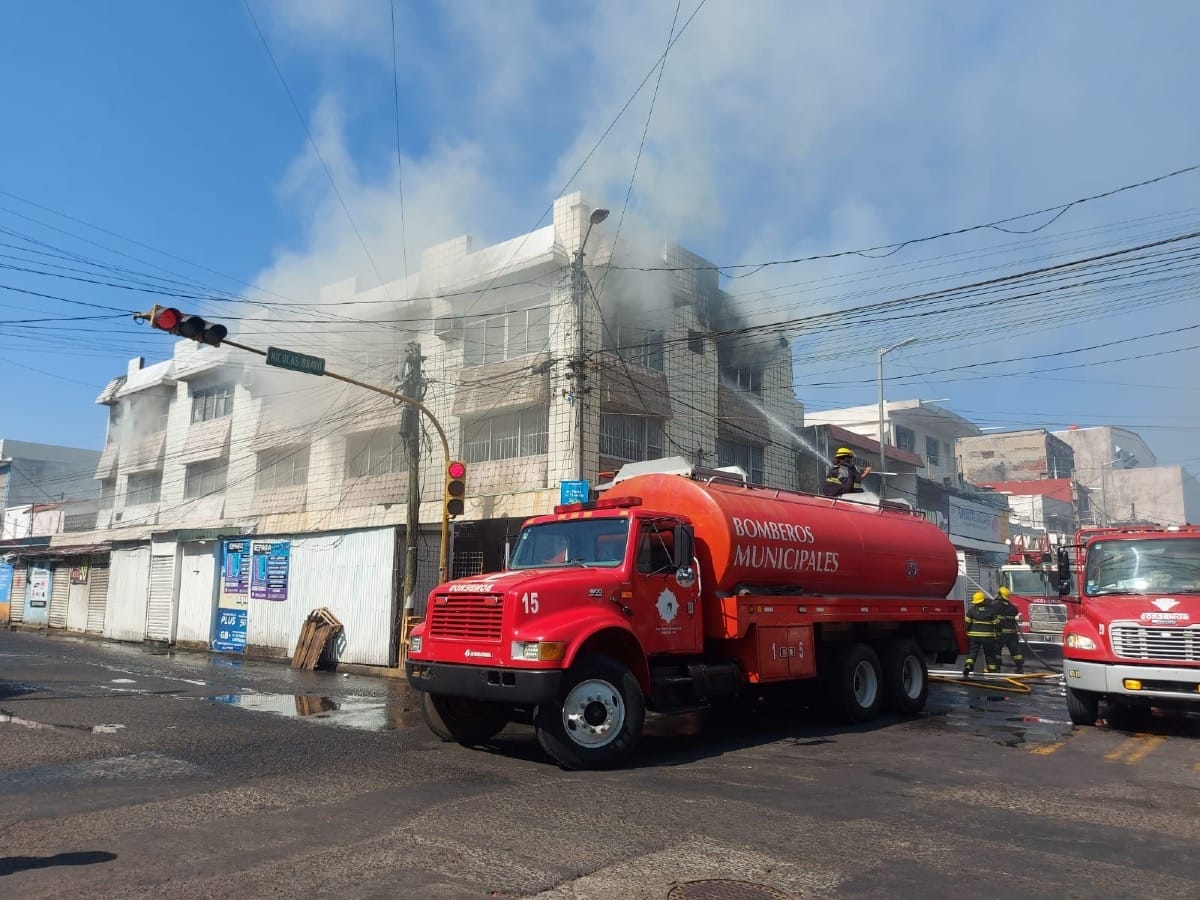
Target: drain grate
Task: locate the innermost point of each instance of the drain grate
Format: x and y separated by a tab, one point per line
724	889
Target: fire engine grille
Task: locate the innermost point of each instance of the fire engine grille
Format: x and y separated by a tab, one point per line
466	617
1175	644
1047	617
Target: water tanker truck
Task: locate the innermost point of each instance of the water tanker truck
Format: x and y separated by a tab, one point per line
676	592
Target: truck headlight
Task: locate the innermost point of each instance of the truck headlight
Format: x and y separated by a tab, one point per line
414	644
538	651
1080	642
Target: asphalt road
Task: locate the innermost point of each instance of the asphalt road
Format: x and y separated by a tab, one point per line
126	772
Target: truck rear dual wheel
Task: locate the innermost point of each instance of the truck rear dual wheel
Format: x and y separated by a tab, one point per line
462	719
905	677
597	721
852	683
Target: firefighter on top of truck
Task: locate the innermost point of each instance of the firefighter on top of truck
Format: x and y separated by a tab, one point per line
983	620
1009	633
844	475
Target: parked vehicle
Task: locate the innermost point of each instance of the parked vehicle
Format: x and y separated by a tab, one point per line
680	591
1032	578
1135	640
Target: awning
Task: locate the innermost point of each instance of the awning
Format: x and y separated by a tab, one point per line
144	456
108	461
964	543
206	441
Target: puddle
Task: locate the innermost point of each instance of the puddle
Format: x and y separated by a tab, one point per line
1012	720
365	713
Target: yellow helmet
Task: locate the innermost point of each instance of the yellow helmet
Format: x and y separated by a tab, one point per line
843	451
1005	592
978	597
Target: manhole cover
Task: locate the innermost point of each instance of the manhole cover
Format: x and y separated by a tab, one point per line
724	889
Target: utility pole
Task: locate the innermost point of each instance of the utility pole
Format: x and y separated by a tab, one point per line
579	284
413	386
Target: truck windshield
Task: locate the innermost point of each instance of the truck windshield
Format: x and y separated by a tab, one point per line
1027	582
1152	566
578	542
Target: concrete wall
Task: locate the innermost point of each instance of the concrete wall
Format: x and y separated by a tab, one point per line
1014	456
44	473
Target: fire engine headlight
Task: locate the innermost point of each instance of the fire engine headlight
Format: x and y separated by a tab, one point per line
538	651
1080	642
414	644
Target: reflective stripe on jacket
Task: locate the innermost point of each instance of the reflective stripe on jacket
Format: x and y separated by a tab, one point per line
982	620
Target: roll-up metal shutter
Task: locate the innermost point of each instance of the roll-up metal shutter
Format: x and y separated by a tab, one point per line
60	595
97	597
160	611
16	597
971	564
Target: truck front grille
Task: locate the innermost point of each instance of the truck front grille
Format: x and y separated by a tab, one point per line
1047	617
1168	644
466	617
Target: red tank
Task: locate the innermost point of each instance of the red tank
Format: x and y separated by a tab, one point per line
761	538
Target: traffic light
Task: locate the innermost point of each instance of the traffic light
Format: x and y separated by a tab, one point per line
168	318
456	488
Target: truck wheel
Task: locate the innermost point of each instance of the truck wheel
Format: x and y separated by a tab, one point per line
462	719
1082	706
598	720
855	693
905	677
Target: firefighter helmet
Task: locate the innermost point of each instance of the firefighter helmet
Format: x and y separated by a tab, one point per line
1004	592
843	451
978	597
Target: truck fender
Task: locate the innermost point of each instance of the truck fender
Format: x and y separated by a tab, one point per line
611	637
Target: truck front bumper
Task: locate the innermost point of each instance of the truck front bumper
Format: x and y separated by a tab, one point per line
1162	682
517	686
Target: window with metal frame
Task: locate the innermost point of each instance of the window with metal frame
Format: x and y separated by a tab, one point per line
379	452
906	439
631	438
108	492
282	467
744	378
524	433
212	403
932	446
638	345
749	457
506	335
144	487
205	478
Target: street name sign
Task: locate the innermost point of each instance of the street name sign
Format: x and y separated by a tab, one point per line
297	362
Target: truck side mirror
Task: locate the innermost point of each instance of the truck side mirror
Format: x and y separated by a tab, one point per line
1064	571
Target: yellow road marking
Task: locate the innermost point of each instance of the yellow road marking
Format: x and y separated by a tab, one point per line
1047	749
1133	750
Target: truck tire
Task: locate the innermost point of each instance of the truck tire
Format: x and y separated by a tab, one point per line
905	677
597	721
462	719
1082	706
853	685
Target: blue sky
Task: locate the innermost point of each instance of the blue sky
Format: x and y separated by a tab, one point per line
781	129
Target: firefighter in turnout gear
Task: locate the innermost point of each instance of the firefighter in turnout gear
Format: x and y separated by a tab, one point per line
983	623
844	475
1010	636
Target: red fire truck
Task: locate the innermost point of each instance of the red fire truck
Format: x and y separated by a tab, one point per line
679	591
1031	576
1135	640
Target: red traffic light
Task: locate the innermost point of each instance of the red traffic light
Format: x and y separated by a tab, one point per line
456	470
166	318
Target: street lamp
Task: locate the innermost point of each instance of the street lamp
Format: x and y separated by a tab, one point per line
882	436
578	290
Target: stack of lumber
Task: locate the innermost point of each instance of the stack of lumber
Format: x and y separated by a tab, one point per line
318	630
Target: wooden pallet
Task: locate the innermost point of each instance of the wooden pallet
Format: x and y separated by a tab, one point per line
318	630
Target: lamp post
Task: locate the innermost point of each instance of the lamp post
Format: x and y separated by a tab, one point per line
882	436
578	292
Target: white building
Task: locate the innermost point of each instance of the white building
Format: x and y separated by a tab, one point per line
534	380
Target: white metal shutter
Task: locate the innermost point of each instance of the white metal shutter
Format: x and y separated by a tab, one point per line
974	576
16	598
60	596
97	597
160	612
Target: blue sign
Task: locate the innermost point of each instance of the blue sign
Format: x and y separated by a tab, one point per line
574	492
229	627
6	580
229	636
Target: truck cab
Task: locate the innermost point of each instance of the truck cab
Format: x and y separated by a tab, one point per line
1135	640
1032	579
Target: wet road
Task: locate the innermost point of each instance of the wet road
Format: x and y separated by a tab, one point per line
126	773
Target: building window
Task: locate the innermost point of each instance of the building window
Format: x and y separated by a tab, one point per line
696	341
205	478
906	439
524	433
145	487
631	438
506	335
108	492
283	467
375	453
212	403
748	457
640	346
743	379
932	445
